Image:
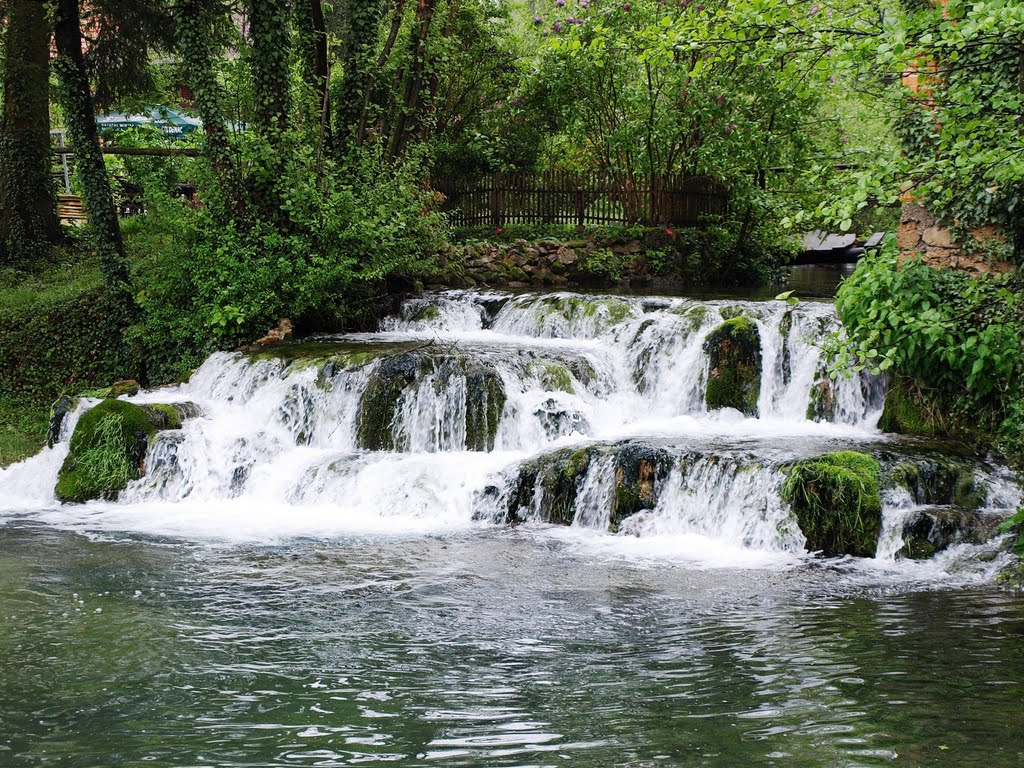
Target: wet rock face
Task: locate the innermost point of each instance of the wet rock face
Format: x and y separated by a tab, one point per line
109	445
836	501
734	366
954	500
547	488
399	374
932	530
485	402
379	404
940	482
58	412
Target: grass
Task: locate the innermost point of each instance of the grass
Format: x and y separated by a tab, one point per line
22	430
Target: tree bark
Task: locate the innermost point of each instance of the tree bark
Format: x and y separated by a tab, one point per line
28	207
80	120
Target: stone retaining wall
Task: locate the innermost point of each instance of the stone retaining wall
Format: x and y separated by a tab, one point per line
920	233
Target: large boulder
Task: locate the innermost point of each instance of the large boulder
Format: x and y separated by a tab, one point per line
836	502
734	366
109	445
400	374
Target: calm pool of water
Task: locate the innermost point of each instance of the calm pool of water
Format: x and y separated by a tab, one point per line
490	648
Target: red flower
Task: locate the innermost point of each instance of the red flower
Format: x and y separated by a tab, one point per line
499	230
670	233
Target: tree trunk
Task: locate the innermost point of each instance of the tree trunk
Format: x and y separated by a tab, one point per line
389	45
28	207
80	120
363	18
316	68
412	105
270	33
194	22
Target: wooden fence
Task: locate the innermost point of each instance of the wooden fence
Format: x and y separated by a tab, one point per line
579	199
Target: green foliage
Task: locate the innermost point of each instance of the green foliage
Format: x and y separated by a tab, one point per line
836	501
22	429
951	332
963	155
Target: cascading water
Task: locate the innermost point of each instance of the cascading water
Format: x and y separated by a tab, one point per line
472	408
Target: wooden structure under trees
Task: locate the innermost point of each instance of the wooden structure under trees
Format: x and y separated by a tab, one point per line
580	199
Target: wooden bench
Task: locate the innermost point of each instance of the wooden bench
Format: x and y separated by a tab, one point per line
70	208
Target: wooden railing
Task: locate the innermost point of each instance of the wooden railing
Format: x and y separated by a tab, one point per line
580	199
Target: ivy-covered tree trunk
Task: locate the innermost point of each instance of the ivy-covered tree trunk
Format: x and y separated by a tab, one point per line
316	68
397	13
80	120
28	209
195	21
270	31
411	112
362	26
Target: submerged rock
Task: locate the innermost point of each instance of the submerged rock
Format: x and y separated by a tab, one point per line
734	366
109	445
836	501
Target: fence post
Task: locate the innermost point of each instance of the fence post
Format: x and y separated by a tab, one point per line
581	203
495	200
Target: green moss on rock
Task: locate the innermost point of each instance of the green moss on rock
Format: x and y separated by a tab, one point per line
734	369
485	402
837	504
108	447
940	482
907	411
379	403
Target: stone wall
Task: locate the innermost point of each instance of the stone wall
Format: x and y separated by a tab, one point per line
920	233
524	264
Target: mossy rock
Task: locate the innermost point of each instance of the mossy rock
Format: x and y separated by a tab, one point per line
548	486
931	530
485	403
907	411
379	403
734	368
639	472
556	377
940	482
108	447
837	503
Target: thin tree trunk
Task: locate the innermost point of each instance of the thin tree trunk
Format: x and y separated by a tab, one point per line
316	68
28	208
80	120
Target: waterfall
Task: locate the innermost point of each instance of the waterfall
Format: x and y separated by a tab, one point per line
472	408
